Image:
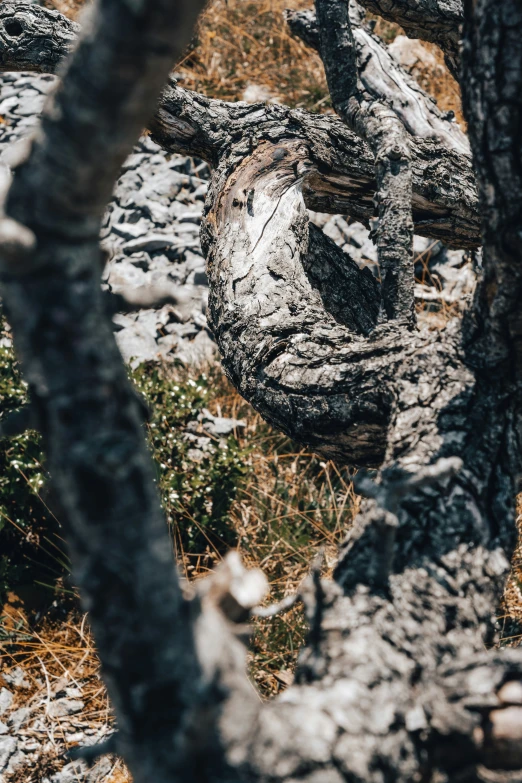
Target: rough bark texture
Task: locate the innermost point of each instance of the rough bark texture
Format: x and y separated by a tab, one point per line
393	684
437	21
342	177
370	112
387	108
492	95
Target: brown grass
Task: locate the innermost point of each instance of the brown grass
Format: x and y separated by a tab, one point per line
243	43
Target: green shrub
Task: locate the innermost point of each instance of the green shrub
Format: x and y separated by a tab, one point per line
196	494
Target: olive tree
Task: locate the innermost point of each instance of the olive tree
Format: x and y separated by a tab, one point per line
395	682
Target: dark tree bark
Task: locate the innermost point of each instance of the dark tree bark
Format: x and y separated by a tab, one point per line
394	683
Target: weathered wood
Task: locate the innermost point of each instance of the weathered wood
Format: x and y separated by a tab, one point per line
437	21
393	684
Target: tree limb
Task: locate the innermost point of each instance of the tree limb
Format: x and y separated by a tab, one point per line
491	93
89	415
386	108
436	21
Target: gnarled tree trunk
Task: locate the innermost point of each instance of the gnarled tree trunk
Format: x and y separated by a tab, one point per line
394	683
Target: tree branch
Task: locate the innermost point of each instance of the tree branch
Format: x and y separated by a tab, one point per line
491	90
436	21
89	415
384	106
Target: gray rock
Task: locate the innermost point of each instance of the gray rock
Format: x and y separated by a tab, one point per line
17	760
151	243
3	728
133	230
16	677
124	273
8	746
6	699
30	107
8	104
134	161
19	717
137	344
74	771
62	707
220	426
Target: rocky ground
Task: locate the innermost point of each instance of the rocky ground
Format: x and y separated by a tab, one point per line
151	235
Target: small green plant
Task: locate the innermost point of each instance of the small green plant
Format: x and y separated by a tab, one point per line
27	527
198	475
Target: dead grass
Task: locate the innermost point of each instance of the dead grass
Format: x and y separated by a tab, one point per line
292	504
242	50
57	660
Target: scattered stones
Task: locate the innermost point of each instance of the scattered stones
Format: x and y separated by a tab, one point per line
150	232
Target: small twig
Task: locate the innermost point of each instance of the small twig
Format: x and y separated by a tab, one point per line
278	608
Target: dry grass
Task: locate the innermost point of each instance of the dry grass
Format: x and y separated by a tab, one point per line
58	660
241	44
291	504
242	50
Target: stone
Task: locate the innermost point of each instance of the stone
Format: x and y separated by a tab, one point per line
16	677
136	345
151	243
220	426
6	699
62	707
8	746
133	230
30	106
8	104
19	717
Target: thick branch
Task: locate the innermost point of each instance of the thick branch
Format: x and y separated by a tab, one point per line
34	38
370	112
341	179
437	21
88	414
492	100
385	107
